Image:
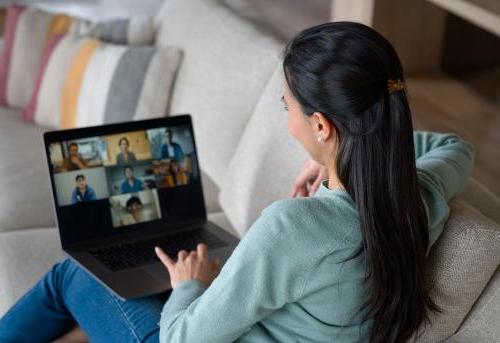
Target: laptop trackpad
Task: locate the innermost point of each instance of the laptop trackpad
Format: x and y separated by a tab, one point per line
159	272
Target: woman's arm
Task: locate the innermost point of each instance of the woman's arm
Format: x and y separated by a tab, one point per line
445	159
259	278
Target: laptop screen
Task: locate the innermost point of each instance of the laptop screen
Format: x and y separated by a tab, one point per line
124	178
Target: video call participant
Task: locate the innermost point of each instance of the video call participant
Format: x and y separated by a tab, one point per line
179	176
131	184
135	212
171	149
125	156
159	170
82	191
74	161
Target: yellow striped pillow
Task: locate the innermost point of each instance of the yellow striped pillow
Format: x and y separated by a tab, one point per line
88	82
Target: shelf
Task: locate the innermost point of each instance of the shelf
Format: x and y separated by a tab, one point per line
483	13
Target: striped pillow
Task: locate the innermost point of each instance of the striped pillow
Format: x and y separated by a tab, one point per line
28	32
88	82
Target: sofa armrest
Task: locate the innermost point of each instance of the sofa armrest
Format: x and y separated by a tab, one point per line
480	324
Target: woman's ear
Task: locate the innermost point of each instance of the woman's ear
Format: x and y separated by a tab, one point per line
323	127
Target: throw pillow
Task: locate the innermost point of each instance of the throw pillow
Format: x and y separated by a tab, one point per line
88	82
29	30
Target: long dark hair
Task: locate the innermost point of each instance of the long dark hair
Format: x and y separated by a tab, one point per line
341	69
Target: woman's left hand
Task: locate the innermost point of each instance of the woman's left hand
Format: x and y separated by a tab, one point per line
195	265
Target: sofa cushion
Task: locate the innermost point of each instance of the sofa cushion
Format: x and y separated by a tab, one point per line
25	256
266	161
227	62
460	264
26	199
87	82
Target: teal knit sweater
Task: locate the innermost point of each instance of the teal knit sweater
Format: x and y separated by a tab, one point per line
295	276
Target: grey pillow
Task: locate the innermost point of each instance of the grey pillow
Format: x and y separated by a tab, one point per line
461	263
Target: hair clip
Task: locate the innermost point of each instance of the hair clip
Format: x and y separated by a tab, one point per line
395	85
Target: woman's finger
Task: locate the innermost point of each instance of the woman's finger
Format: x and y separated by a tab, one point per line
202	251
164	258
309	171
315	185
182	255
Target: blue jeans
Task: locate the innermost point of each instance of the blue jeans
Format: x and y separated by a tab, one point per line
67	296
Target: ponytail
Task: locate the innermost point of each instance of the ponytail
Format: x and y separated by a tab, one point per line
341	70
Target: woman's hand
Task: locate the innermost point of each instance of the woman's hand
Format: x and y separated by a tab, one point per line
190	266
309	179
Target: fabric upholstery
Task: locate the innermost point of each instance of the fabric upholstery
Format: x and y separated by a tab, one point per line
26	199
227	63
480	326
266	161
87	82
28	31
25	256
220	219
210	193
460	264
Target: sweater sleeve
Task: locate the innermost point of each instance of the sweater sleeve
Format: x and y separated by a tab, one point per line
258	279
445	160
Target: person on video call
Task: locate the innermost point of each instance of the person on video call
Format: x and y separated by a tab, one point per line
74	161
171	149
131	183
180	177
161	174
125	156
82	191
135	212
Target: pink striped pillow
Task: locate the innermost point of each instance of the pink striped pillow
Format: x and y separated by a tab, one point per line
29	110
13	13
28	31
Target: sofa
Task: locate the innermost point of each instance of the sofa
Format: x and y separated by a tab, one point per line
230	81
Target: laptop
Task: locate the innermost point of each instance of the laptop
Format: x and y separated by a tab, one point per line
120	190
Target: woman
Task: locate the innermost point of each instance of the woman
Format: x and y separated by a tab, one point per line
125	156
74	161
179	176
346	265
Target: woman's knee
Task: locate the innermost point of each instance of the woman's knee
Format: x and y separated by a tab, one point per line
61	272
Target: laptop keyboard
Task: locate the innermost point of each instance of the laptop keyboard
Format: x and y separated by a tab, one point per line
135	254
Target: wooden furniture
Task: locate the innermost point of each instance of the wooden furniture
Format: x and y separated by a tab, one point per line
439	102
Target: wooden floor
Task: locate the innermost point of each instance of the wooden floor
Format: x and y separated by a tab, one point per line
438	102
